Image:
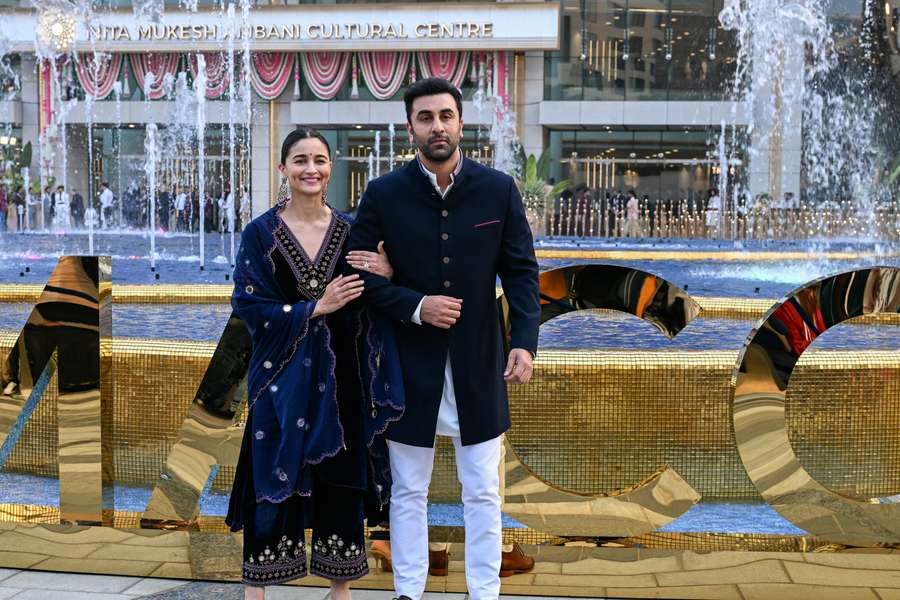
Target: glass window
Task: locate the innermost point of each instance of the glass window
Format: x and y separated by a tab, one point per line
640	50
664	165
10	77
10	155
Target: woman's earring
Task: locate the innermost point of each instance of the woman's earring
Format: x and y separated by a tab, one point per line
324	195
283	193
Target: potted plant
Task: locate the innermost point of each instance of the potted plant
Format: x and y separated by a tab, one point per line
531	179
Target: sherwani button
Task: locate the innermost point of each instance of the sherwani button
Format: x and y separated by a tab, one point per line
445	237
446	259
446	284
445	212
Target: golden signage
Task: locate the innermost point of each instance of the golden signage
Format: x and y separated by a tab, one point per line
295	31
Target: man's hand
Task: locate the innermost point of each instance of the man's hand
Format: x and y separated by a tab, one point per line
518	367
440	311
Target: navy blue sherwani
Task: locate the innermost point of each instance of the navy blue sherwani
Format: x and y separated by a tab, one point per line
456	246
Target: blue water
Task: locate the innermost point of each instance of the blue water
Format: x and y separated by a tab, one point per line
713	517
741	279
601	330
30	258
590	330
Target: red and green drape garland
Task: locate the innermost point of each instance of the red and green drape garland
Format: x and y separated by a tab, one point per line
45	94
160	64
451	66
383	72
325	72
270	72
217	75
97	73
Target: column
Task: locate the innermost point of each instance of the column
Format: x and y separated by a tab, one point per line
531	133
29	94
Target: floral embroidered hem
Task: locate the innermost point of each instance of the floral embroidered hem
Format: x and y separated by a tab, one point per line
271	568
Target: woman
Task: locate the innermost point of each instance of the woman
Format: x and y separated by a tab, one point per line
324	382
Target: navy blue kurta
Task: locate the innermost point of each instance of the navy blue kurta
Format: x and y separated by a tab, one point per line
456	246
321	390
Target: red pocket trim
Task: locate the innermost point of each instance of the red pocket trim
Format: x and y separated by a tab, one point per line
486	223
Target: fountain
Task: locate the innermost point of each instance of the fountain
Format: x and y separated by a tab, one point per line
200	91
151	153
786	62
780	86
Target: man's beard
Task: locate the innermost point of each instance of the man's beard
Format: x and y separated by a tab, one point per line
438	155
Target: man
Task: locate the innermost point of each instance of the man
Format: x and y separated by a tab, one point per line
19	199
33	204
632	215
4	207
246	213
450	227
48	212
713	206
77	209
163	208
62	214
180	205
106	205
226	211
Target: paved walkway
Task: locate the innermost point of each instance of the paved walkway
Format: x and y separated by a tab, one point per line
42	585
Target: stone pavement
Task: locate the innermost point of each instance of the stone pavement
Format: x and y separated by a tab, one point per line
44	585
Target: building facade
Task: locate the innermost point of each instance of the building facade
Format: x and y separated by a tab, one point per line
623	94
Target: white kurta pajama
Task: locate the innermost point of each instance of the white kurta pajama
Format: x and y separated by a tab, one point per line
477	468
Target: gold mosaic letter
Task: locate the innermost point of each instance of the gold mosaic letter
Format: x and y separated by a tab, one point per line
208	436
760	383
68	330
644	506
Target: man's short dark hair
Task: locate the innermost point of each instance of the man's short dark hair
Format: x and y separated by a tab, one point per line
431	86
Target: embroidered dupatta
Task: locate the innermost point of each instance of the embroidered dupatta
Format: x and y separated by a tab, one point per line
292	390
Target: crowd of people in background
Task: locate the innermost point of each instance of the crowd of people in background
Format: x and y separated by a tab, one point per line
176	210
583	211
